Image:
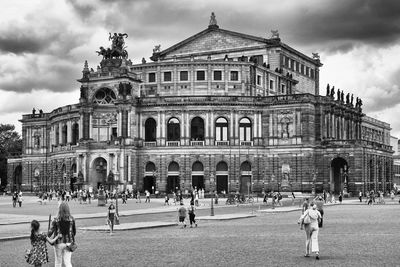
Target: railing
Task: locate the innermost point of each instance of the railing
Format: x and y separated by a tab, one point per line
246	143
149	144
173	143
222	143
197	143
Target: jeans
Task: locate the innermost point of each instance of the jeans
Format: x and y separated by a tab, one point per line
62	254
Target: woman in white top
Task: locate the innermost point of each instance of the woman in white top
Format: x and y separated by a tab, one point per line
312	230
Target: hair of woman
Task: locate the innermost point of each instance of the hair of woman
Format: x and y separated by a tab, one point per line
63	212
34	228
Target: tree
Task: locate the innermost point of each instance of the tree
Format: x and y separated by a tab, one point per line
10	145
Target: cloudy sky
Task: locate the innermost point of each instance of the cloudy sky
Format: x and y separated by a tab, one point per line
43	43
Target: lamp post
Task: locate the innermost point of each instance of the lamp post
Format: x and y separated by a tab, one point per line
211	187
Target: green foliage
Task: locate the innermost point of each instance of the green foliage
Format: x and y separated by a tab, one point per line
10	145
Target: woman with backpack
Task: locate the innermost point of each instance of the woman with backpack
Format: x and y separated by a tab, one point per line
310	219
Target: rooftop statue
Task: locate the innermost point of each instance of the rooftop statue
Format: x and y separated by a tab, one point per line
275	34
117	49
213	20
156	49
315	56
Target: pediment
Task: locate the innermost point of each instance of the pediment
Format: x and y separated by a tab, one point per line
213	41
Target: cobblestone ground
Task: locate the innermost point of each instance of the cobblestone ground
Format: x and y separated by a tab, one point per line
352	236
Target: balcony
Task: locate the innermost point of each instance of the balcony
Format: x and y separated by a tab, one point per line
150	144
222	143
246	143
197	143
173	143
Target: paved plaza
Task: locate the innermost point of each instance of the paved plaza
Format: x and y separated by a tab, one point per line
353	235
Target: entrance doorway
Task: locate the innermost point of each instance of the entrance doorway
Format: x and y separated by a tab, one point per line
339	169
148	184
198	175
245	178
98	172
17	178
173	181
173	184
222	177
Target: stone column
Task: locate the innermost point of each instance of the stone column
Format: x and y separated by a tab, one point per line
158	129
60	133
69	132
91	126
206	132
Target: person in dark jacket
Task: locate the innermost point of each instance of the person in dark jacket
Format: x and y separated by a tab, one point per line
64	225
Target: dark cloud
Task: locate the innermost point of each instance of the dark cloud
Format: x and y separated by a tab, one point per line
53	76
82	8
20	43
384	95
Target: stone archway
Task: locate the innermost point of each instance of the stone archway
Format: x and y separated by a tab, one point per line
17	178
338	177
98	172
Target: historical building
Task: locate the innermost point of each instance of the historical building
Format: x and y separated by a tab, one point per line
220	110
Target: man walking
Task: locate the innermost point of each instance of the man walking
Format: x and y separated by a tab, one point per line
182	215
147	196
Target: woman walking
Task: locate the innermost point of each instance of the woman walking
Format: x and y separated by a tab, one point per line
63	224
38	253
311	228
111	216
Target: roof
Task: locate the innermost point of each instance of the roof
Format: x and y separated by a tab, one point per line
269	42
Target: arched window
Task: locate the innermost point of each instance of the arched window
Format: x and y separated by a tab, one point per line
64	134
104	96
73	168
245	129
150	167
173	131
197	129
75	133
173	167
150	128
245	166
197	167
222	166
221	129
57	130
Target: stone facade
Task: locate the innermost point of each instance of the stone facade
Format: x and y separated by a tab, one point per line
221	111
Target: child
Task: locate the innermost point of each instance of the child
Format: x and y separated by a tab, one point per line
39	254
192	215
182	215
166	200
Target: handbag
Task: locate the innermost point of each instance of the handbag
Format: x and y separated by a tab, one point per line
72	247
28	255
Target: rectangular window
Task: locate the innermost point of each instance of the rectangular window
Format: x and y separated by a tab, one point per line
167	76
307	71
282	89
302	69
258	79
234	76
201	75
286	61
152	77
217	75
312	74
297	66
183	76
271	85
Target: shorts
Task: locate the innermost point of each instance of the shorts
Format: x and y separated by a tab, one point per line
181	219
